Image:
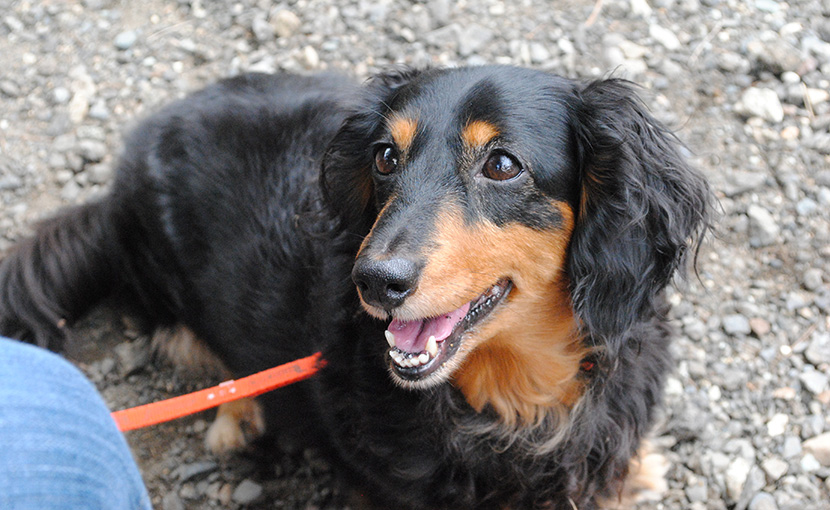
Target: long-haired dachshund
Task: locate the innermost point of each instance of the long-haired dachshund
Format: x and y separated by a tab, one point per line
479	253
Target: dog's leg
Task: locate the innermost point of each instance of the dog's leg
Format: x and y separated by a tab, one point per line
237	423
646	480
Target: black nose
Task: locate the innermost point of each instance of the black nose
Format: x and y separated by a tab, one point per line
385	283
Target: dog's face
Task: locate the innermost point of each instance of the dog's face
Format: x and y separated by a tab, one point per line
476	190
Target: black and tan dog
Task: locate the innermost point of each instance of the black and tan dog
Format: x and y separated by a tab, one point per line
479	253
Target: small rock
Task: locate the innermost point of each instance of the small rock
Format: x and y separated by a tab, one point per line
791	447
310	58
755	481
763	501
246	492
763	229
735	477
61	95
819	448
741	181
664	36
100	173
774	468
736	324
809	464
262	30
172	501
196	470
776	56
818	351
133	356
92	150
760	102
814	381
806	207
285	23
778	424
70	191
10	182
125	40
759	326
785	393
640	8
472	38
817	96
9	88
698	491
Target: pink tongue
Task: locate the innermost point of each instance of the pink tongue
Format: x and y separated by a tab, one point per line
413	336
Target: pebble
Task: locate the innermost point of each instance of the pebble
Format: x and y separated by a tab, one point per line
262	30
735	477
92	150
247	492
809	464
791	447
472	38
172	501
285	23
9	88
759	326
818	351
763	501
814	381
763	228
664	36
774	468
125	40
775	55
195	471
132	356
736	324
777	425
819	448
761	102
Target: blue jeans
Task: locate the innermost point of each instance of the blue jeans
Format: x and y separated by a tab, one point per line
59	447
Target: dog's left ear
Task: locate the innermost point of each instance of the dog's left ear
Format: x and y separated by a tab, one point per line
346	174
641	208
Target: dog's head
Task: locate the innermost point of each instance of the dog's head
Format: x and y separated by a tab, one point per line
513	221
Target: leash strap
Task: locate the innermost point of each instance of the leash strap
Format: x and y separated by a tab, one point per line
251	386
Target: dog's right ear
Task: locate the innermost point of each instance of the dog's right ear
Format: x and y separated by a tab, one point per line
346	177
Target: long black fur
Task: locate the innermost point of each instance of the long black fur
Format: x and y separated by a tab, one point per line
220	218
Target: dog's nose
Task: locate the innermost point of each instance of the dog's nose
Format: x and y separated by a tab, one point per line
385	283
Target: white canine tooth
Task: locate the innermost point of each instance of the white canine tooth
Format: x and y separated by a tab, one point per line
390	337
432	346
423	358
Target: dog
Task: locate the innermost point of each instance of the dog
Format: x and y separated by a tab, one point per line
479	253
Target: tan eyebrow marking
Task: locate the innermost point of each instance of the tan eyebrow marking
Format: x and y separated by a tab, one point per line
478	133
403	131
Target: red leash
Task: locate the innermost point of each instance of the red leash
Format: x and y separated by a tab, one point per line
251	386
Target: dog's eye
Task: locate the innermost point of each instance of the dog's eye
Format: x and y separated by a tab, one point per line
386	160
501	167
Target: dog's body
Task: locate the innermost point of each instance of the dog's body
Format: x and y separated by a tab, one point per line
518	229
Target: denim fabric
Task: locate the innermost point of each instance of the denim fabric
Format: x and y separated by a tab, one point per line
59	447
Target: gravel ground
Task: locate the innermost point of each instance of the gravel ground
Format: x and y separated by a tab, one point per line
745	83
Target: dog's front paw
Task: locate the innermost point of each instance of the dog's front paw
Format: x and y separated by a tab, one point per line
237	424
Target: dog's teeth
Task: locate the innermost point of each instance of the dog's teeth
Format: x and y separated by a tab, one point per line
432	346
423	358
390	337
415	360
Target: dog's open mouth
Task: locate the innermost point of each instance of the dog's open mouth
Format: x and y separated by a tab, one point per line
418	348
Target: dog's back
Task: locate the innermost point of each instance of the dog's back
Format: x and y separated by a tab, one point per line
173	229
